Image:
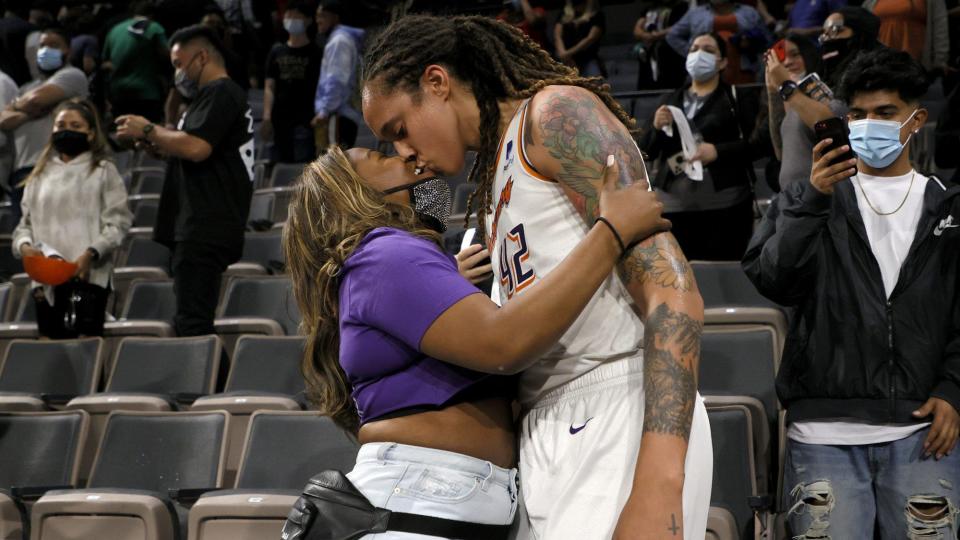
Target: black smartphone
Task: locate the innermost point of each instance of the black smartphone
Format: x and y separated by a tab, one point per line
836	129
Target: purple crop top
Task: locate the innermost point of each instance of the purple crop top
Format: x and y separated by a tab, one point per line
394	286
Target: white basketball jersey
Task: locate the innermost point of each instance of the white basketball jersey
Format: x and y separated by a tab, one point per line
532	227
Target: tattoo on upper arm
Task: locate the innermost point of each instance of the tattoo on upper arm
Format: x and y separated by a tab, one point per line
671	350
660	261
579	132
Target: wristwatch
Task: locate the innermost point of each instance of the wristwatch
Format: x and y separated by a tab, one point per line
787	90
148	129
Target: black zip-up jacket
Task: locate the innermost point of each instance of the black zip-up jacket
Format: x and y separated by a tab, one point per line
851	352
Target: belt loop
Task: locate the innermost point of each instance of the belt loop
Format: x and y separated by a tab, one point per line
385	449
486	479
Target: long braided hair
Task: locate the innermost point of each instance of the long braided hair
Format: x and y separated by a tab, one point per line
495	60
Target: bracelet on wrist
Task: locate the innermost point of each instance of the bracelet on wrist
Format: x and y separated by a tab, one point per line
623	247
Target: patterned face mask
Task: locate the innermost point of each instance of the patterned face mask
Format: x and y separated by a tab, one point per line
430	200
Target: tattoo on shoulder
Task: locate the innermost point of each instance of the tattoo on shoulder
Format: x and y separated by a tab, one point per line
580	133
671	348
660	261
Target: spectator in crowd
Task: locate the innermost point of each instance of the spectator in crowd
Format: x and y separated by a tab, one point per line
40	17
947	136
30	116
14	30
722	122
801	58
206	194
84	47
870	376
293	69
846	33
531	20
577	35
739	25
806	17
75	208
660	65
336	117
952	76
135	53
918	27
236	64
8	93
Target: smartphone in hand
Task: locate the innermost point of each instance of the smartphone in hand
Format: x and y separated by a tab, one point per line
834	128
780	49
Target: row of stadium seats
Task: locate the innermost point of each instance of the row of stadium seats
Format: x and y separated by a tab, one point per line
159	475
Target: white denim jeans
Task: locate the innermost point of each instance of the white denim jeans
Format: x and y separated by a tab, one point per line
433	482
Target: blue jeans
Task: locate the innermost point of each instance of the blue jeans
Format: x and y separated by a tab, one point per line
436	483
848	492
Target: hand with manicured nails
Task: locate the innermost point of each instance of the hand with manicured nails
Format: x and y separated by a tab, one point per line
468	263
824	176
943	431
634	211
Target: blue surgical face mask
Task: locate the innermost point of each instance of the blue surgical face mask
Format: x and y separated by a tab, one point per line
295	26
49	59
877	142
701	65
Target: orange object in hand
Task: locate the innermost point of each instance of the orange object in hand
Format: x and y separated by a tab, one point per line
48	270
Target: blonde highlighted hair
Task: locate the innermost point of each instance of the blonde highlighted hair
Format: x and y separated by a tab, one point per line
98	146
331	211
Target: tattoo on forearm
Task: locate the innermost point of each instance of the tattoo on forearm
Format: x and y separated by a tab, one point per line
657	260
670	355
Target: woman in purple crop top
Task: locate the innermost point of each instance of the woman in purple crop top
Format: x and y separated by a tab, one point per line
400	347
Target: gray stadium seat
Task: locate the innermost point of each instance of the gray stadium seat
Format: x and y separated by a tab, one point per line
145	464
9	265
143	251
285	174
145	215
148	310
264	375
283	451
257	305
38	374
140	258
38	451
724	284
152	374
721	525
148	180
261	206
262	254
734	464
21	313
460	197
739	365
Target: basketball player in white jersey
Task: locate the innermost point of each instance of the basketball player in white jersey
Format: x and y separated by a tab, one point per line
614	439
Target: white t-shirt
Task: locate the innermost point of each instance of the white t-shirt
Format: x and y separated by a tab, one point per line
890	239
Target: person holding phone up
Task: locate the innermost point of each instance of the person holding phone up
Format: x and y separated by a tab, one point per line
867	253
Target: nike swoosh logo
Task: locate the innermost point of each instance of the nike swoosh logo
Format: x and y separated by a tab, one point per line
575	430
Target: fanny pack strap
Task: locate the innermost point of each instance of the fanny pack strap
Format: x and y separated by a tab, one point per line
444	528
332	508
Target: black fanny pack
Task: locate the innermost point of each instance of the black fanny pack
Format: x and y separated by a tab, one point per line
331	508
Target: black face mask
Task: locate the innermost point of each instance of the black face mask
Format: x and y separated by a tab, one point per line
71	143
835	51
430	200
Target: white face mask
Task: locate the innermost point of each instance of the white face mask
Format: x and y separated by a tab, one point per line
701	65
295	26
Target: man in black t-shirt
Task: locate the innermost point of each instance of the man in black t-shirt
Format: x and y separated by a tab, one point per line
292	72
206	194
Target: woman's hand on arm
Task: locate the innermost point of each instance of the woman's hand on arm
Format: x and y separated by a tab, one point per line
476	334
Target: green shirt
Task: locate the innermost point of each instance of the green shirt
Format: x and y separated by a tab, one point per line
139	59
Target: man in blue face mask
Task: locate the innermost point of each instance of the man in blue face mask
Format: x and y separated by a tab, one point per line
867	253
30	115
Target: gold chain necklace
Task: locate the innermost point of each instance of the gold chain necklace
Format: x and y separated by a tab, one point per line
874	208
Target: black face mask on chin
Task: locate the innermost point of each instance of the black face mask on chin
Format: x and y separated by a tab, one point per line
835	51
71	143
430	200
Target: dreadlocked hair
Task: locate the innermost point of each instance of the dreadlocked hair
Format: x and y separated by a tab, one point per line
494	59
